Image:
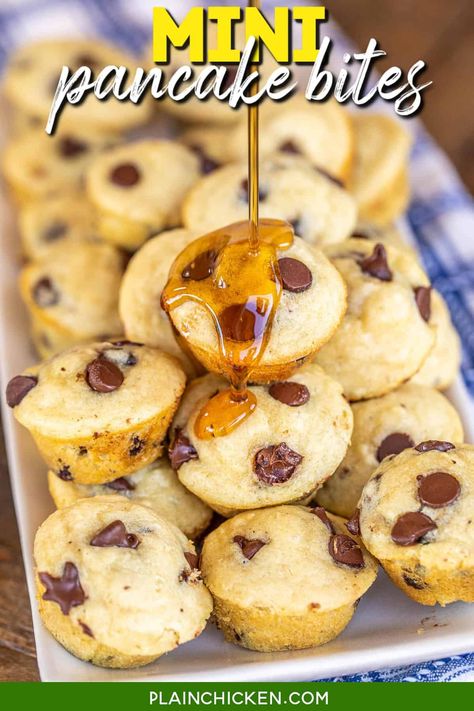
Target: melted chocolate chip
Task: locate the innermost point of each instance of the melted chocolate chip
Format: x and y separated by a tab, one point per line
240	323
66	591
120	484
249	547
244	191
413	583
71	147
410	527
434	444
86	629
276	464
65	473
45	293
295	275
115	534
202	267
85	60
423	301
322	515
376	264
181	450
438	489
19	387
193	560
394	444
82	451
125	175
353	524
296	225
290	393
343	549
103	376
55	231
136	446
230	76
290	147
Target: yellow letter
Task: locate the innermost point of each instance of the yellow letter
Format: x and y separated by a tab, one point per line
309	18
224	19
166	31
276	40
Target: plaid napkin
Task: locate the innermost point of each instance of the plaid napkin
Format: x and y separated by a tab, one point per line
441	213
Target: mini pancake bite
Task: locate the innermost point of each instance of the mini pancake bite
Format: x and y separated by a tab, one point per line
319	210
276	310
384	427
284	578
386	334
155	486
117	585
101	411
320	132
55	220
293	441
32	76
71	294
379	180
37	166
144	280
441	367
137	189
416	517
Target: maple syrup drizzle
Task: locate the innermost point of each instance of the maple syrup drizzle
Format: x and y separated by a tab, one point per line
233	274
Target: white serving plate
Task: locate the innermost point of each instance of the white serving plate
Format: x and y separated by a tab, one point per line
388	629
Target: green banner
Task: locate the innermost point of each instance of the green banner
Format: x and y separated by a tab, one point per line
150	695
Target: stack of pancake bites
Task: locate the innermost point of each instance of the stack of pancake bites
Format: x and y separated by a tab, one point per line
353	456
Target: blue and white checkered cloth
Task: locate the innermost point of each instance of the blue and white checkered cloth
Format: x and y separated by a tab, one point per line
441	213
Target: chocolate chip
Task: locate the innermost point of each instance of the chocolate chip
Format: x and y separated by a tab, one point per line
115	534
202	267
423	301
86	629
19	387
353	524
438	489
410	527
276	464
290	147
193	559
329	176
82	451
434	444
295	276
65	473
66	591
136	447
181	450
45	293
343	549
376	264
244	191
290	393
120	484
394	444
413	583
230	76
103	376
126	175
242	322
55	231
85	60
120	344
249	547
208	165
72	147
322	515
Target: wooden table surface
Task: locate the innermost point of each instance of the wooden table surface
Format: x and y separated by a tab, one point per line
440	33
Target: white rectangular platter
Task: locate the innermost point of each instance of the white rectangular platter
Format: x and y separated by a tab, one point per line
387	630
